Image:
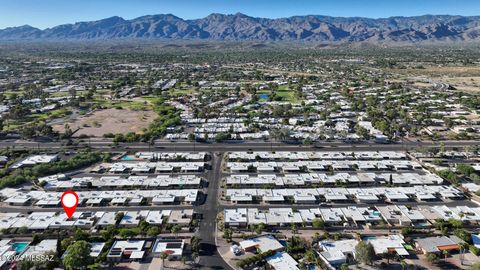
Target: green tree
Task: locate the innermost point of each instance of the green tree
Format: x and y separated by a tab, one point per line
81	235
318	223
65	243
227	234
195	243
364	252
465	169
119	217
389	256
446	253
474	250
310	256
78	256
153	231
175	229
163	256
457	224
432	258
220	137
259	228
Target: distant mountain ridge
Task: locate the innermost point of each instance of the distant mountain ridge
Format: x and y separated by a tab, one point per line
240	27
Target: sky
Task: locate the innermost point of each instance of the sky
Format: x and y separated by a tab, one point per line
47	13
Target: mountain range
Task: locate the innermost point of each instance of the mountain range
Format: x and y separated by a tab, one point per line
240	27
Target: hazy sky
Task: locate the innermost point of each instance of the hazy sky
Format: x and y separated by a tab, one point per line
47	13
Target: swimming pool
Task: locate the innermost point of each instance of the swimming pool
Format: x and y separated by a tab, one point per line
19	247
263	96
128	157
422	225
368	238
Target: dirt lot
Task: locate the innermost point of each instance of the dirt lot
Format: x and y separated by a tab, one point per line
110	121
463	78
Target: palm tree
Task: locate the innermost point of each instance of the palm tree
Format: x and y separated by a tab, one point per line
403	263
151	143
294	229
446	253
163	256
388	256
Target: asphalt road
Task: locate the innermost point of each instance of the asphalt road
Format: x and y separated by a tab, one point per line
104	144
209	256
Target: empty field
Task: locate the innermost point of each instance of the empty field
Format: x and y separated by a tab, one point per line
110	121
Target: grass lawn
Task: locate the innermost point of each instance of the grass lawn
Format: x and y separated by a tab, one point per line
132	105
288	95
182	91
151	99
285	93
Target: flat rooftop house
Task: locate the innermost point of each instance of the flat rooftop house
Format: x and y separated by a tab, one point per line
393	215
41	248
107	218
332	215
172	247
94	201
181	217
19	201
33	160
235	217
126	249
337	252
391	244
438	244
130	219
155	217
282	261
262	243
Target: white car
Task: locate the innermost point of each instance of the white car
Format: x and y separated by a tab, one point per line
235	250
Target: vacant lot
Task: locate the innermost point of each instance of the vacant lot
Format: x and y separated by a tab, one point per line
463	78
110	121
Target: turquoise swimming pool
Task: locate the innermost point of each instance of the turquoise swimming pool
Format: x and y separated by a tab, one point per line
128	157
367	238
263	96
19	247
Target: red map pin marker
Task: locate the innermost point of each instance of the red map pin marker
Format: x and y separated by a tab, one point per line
69	202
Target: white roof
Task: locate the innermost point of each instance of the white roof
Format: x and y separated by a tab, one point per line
383	244
175	247
264	243
282	261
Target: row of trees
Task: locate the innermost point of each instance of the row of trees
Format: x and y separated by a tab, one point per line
22	175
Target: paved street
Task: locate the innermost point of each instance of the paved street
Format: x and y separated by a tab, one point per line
104	144
209	256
